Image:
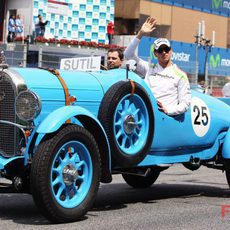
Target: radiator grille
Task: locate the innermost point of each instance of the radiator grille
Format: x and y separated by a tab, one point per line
8	133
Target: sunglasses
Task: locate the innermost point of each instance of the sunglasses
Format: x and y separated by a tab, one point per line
165	49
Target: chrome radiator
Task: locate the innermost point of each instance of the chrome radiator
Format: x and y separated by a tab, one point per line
9	134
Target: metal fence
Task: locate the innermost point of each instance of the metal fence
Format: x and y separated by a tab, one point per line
29	55
14	54
51	56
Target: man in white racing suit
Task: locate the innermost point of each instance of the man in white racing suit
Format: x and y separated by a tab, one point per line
168	83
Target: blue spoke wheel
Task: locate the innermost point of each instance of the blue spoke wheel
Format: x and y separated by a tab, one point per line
127	116
65	174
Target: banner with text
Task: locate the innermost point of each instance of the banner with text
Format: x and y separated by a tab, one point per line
184	55
55	7
221	7
81	64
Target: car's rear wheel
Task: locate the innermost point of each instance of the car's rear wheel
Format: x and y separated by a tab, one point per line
142	181
126	114
65	174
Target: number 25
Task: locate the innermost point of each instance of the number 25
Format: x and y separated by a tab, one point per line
201	117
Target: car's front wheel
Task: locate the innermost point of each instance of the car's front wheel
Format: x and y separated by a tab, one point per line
65	174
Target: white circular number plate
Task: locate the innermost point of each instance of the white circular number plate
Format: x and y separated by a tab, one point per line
200	115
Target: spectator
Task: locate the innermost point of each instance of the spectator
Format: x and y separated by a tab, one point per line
42	26
11	29
226	89
110	31
168	83
19	27
201	87
37	26
115	58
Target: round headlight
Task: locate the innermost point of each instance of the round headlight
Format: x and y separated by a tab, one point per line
27	105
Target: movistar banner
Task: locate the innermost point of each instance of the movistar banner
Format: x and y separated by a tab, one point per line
184	55
221	7
219	62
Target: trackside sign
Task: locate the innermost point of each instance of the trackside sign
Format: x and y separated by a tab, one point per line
81	64
216	60
209	6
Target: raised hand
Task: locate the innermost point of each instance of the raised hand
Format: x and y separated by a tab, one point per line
147	27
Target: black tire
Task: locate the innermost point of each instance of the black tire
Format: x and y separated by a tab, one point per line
136	181
50	156
114	97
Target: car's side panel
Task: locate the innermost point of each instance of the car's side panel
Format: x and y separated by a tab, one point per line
183	155
195	130
225	100
198	127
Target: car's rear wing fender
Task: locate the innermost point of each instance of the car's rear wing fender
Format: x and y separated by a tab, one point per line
226	146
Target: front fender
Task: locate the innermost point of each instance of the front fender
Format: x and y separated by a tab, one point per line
226	146
58	117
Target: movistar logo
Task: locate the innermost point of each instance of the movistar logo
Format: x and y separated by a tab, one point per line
216	4
214	61
218	61
152	56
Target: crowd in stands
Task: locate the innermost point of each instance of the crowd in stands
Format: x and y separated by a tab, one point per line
15	28
16	33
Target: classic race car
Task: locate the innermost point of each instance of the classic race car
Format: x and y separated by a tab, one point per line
64	132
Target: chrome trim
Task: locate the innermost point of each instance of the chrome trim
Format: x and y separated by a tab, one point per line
69	174
14	124
17	84
16	80
129	124
39	103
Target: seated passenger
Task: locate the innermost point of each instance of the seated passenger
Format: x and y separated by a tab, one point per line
168	83
115	58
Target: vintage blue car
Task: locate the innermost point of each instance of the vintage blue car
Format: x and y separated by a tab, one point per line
64	132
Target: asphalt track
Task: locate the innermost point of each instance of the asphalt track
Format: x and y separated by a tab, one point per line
180	199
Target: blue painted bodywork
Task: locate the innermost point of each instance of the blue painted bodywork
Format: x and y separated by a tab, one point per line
174	138
225	100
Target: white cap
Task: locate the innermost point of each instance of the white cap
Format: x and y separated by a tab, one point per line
161	41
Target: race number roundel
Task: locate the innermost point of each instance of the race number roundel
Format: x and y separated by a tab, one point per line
200	115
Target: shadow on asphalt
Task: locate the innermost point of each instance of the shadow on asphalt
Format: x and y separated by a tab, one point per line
21	209
123	194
